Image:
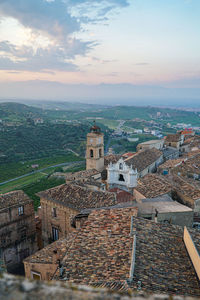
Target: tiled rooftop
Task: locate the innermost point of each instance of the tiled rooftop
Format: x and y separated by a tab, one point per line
111	158
192	141
78	197
185	188
171	163
127	154
80	175
102	251
122	196
142	159
173	138
58	249
153	185
13	198
190	166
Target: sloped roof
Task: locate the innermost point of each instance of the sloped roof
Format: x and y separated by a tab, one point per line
187	189
189	166
101	254
142	159
153	185
122	195
171	163
111	158
58	248
80	175
173	138
13	198
101	250
78	197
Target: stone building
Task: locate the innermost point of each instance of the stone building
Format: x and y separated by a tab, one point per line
17	229
43	264
158	144
174	140
95	149
61	204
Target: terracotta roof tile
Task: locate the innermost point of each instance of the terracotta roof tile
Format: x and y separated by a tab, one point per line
78	197
13	198
153	185
112	158
80	175
45	255
142	159
173	138
102	253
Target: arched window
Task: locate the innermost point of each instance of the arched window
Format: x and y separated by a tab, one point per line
100	153
121	166
91	153
121	177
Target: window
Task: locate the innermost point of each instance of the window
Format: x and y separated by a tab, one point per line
100	153
55	234
54	214
91	153
20	210
35	275
23	234
121	166
121	177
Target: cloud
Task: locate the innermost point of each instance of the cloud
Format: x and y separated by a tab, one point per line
25	59
58	20
51	18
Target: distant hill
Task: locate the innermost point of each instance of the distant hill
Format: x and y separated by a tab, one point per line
64	111
16	112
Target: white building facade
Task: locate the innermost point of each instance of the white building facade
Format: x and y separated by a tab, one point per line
121	175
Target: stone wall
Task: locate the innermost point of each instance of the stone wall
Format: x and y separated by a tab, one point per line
17	234
18	288
62	221
45	271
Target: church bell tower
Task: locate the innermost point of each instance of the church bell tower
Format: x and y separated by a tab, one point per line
95	149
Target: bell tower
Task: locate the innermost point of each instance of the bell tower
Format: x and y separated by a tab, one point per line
95	149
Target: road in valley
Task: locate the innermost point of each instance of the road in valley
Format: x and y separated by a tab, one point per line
41	170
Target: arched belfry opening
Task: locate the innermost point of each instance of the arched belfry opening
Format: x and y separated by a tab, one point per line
91	153
121	177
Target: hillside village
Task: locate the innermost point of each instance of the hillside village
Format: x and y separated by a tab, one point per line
128	222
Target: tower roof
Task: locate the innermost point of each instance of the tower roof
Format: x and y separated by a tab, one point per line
95	128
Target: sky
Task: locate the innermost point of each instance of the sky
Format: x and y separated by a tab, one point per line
124	49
